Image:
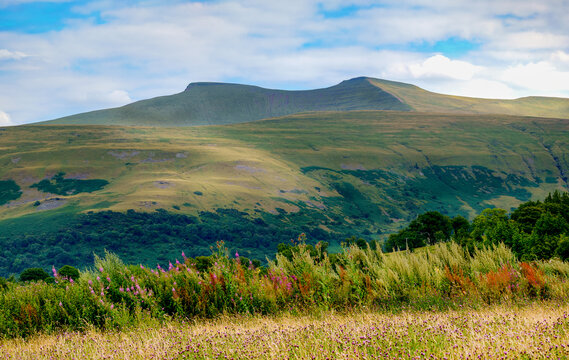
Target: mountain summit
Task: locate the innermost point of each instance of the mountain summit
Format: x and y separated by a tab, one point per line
210	103
205	103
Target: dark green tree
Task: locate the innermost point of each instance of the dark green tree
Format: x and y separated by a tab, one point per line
562	250
460	228
484	225
69	272
527	214
427	229
545	236
34	274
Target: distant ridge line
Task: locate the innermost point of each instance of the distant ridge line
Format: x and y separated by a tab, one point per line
218	103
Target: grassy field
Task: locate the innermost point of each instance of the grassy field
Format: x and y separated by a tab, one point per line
533	331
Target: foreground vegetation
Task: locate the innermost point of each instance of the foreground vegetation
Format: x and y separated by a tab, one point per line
301	279
533	331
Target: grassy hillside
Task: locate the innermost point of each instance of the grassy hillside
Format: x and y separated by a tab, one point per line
364	172
426	101
219	103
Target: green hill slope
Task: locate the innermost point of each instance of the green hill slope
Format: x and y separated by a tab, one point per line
426	101
325	173
218	103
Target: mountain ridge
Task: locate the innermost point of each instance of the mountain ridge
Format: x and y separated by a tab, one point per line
218	103
207	103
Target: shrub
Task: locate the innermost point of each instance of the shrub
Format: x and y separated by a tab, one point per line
3	284
69	272
34	274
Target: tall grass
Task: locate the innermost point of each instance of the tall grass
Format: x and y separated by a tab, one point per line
535	331
115	296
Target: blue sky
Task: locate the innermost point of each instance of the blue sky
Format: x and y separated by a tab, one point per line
60	57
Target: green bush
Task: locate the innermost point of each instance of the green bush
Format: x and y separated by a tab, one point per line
9	191
3	284
61	186
34	274
69	272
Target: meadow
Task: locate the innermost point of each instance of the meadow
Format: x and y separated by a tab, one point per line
537	330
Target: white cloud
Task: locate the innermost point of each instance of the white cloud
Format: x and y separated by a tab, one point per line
439	66
531	40
5	119
543	77
6	3
11	55
157	47
480	88
120	97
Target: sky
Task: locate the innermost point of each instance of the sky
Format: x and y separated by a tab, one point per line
60	57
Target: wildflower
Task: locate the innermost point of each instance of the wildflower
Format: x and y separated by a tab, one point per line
98	278
60	304
142	267
183	255
90	282
170	266
237	255
108	279
54	271
112	306
101	269
173	290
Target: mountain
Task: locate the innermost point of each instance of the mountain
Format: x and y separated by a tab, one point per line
219	103
332	167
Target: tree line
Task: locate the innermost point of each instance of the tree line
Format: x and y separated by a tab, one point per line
535	230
